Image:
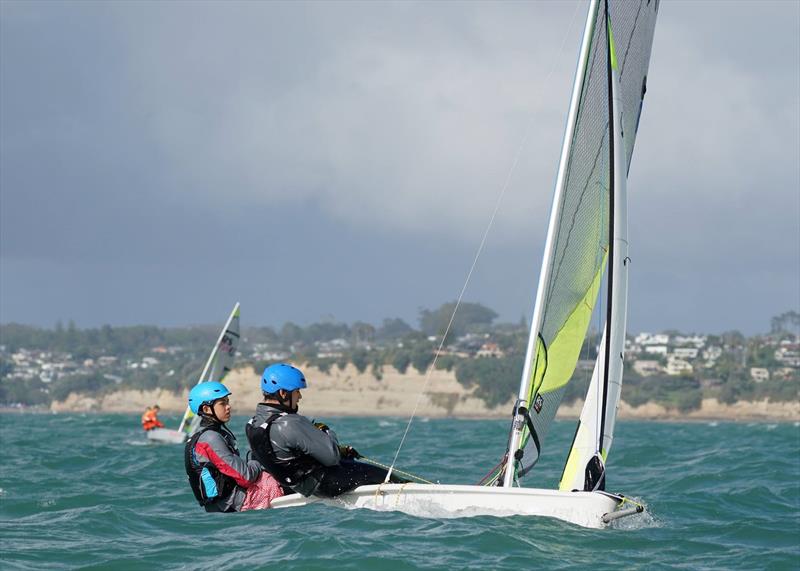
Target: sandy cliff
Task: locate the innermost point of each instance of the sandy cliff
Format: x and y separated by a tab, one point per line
350	393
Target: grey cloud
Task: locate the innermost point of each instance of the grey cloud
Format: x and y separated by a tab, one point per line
360	147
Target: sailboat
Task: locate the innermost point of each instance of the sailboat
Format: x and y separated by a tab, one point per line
587	241
219	362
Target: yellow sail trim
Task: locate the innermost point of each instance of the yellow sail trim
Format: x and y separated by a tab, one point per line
612	47
571	467
562	354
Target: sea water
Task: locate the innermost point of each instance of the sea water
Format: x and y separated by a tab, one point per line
88	491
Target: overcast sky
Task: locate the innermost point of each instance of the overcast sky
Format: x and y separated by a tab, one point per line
161	160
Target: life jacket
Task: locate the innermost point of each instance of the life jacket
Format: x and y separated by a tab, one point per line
150	420
207	482
302	474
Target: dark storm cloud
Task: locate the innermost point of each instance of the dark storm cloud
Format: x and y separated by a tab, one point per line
160	160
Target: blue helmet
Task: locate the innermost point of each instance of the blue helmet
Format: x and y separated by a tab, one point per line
282	376
206	393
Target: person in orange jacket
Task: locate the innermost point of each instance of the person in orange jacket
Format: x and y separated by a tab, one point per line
150	418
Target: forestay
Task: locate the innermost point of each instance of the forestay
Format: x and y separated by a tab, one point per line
578	246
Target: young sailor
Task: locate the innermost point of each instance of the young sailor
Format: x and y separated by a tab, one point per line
150	418
221	480
305	458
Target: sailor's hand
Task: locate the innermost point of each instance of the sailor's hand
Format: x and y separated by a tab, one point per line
348	452
322	426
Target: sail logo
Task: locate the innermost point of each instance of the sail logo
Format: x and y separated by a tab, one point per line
538	404
226	345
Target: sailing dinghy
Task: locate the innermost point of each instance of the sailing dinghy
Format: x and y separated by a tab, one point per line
586	242
219	362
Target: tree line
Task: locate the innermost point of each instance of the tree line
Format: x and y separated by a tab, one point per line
393	343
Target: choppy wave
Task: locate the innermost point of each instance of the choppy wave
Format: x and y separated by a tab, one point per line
88	490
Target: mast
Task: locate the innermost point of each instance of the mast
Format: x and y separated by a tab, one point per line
610	65
526	381
616	318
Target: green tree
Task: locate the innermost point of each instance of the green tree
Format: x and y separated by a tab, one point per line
376	361
92	385
446	362
362	332
470	316
292	333
497	380
359	359
392	329
401	361
788	322
324	365
6	368
326	332
421	357
31	392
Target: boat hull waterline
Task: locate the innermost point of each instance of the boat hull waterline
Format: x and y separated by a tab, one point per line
166	435
586	509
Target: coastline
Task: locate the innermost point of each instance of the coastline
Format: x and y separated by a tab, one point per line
350	393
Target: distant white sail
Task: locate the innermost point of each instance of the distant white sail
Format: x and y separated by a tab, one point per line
219	362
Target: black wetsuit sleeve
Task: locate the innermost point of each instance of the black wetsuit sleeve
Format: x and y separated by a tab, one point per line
300	435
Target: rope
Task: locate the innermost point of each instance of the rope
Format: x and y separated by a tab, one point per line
493	474
630	501
499	200
376	463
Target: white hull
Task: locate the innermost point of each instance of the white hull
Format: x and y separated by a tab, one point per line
440	501
166	435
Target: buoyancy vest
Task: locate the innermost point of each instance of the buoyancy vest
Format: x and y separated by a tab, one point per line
301	474
150	420
201	487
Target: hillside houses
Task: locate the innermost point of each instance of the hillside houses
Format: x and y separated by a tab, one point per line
788	353
675	355
46	366
490	350
656	353
51	364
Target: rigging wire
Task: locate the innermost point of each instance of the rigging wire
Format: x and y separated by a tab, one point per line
499	200
402	473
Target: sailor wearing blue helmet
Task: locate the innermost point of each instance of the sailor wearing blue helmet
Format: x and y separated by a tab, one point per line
304	457
218	476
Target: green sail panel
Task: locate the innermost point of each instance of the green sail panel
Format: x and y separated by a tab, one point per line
563	353
554	366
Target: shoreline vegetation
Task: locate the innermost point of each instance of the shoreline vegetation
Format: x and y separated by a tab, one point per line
348	392
361	369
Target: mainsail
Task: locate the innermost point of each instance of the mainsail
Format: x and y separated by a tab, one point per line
588	210
219	362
